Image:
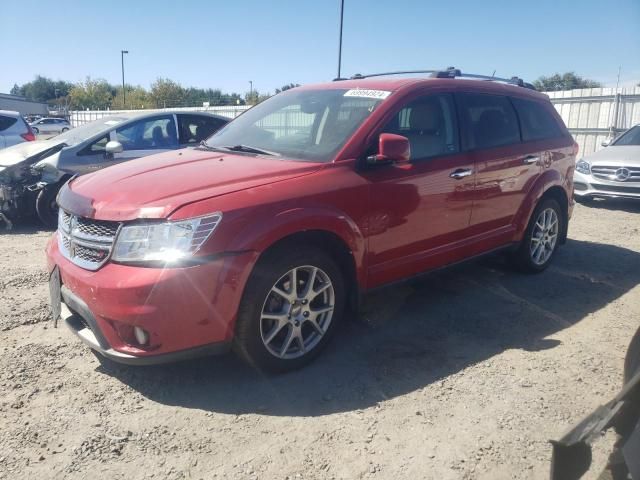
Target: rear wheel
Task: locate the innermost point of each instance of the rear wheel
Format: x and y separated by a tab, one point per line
291	306
541	238
46	205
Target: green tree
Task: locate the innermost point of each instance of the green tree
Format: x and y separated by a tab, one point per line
287	87
167	93
136	98
15	90
92	94
566	81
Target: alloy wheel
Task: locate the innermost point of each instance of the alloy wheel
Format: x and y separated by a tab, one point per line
297	312
544	236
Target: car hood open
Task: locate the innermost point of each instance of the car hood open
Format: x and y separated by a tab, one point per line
28	152
155	186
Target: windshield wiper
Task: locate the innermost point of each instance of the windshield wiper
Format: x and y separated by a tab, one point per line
203	145
250	149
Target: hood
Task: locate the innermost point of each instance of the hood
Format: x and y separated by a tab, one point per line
155	186
28	152
619	156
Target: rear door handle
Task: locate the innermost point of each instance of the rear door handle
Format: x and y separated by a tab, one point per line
461	173
531	159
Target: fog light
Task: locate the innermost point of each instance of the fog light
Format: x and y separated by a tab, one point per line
142	336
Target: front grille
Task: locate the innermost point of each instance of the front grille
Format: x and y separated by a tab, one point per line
84	241
616	173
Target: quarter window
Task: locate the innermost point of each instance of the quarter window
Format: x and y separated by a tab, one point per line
195	128
6	122
535	120
491	121
430	125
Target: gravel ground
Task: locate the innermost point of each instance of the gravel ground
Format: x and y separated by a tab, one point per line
464	374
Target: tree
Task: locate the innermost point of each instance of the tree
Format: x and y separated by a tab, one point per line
92	94
16	90
287	87
167	93
136	98
566	81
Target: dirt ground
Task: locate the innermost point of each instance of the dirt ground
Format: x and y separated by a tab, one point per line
464	374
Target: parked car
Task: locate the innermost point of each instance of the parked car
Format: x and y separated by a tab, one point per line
613	171
264	235
31	175
48	126
572	453
13	129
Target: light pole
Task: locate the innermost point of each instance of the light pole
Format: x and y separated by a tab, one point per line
124	92
340	39
250	90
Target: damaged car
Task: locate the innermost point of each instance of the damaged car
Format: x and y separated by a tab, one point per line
31	174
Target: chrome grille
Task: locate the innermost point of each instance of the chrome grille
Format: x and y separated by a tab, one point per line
84	241
616	173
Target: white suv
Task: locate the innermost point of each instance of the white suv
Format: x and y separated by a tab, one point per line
13	129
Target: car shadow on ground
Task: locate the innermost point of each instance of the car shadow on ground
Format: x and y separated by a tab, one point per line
413	335
614	204
23	226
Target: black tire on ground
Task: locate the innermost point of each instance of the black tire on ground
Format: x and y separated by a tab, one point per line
522	256
248	341
630	414
46	206
65	129
35	130
632	360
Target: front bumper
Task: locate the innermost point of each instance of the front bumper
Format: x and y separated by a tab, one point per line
187	311
589	186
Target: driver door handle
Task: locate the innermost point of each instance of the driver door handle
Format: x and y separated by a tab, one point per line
461	173
531	159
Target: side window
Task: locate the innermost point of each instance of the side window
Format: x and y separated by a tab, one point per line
95	148
430	124
535	120
148	134
195	128
490	120
6	122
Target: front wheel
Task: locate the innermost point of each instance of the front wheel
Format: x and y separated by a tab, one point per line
291	306
65	129
46	205
541	238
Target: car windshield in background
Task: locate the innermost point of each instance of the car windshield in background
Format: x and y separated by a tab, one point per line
307	125
88	130
630	137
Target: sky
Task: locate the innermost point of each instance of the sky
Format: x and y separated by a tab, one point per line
224	44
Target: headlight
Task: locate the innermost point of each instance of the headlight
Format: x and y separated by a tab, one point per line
164	242
583	167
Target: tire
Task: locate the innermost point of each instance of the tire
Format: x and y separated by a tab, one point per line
632	360
528	257
64	130
35	130
268	320
46	205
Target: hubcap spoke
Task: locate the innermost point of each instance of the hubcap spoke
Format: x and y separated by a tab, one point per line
277	328
544	236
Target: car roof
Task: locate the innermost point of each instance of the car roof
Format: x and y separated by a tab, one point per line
10	113
153	113
394	83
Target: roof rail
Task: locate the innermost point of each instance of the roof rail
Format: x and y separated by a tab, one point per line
450	72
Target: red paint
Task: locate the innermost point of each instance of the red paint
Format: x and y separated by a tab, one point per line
397	219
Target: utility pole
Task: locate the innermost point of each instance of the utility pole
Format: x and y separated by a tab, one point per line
340	38
250	89
124	91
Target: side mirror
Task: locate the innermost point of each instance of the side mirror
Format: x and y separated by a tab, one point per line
113	147
391	149
606	143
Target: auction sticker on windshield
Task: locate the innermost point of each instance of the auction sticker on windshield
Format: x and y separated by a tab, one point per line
364	93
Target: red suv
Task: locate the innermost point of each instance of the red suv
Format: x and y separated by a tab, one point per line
261	237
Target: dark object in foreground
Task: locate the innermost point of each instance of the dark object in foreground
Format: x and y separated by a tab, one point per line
572	453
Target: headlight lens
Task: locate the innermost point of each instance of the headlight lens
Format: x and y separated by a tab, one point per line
583	167
164	242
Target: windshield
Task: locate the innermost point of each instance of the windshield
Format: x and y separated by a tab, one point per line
306	125
630	137
88	130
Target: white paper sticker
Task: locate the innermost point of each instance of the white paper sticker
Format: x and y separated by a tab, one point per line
365	93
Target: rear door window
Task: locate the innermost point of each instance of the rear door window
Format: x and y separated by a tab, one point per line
148	134
536	121
490	121
195	128
6	122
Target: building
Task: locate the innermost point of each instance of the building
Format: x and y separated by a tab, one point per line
20	104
